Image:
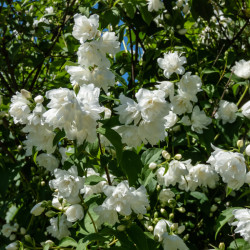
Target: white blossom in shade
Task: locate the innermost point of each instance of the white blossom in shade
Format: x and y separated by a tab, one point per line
198	121
59	227
161	228
37	209
85	28
160	175
170	120
155	5
35	118
165	195
247	150
79	74
90	55
41	20
181	103
226	112
173	242
167	87
74	212
58	202
128	110
129	135
152	104
7	230
231	167
152	132
190	84
106	215
47	161
172	63
12	246
242	69
246	109
109	43
49	10
204	175
40	136
242	223
19	108
68	183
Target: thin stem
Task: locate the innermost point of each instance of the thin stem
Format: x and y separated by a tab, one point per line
92	221
244	93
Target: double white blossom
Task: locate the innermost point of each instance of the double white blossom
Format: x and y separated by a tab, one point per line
226	112
242	69
47	161
246	109
74	212
155	5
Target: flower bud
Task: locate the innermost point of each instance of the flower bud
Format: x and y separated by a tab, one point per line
171	216
121	228
186	237
156	215
181	209
174	226
163	211
213	208
240	143
39	99
22	230
222	246
150	228
166	155
76	88
43	183
152	165
247	150
128	217
158	187
37	209
181	229
26	93
172	202
178	156
12	237
217	199
28	238
49	242
139	216
19	148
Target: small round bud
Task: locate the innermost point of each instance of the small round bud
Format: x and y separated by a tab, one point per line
163	211
139	216
50	242
178	156
148	208
178	27
165	155
158	187
128	217
217	199
213	208
43	183
181	229
222	246
176	128
186	237
121	228
12	237
174	226
152	165
19	148
156	215
28	238
181	209
172	202
76	88
171	216
168	16
247	150
25	93
240	143
22	230
39	99
150	228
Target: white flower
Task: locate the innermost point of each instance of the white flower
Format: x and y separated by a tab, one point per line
7	230
198	121
152	104
170	120
165	195
68	182
59	227
74	213
109	43
58	202
226	112
39	99
162	227
190	84
173	242
167	87
242	69
155	5
41	20
36	117
85	28
172	63
231	166
106	215
247	150
49	10
128	111
37	209
246	109
242	222
19	108
12	246
47	161
181	103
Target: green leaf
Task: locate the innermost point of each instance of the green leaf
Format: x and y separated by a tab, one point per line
131	165
239	244
224	217
59	136
146	15
93	179
129	8
114	138
68	242
138	237
46	246
200	196
151	155
202	8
